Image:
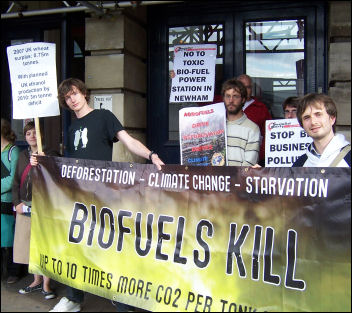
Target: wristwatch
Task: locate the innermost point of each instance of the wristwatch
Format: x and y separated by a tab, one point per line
26	209
150	155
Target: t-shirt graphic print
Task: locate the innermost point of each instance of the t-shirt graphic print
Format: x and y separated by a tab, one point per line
81	135
92	136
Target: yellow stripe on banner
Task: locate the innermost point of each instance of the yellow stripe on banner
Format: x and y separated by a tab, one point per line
196	238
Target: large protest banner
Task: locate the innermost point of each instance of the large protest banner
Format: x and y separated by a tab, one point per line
33	80
194	68
285	142
195	238
203	138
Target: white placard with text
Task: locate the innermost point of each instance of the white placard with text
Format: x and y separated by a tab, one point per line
102	102
194	68
33	80
285	141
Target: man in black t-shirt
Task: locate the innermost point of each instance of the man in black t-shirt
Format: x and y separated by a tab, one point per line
91	136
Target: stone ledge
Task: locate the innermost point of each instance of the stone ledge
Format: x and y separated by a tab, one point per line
116	33
340	18
115	71
341	94
340	61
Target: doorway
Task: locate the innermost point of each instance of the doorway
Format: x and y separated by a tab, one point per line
280	45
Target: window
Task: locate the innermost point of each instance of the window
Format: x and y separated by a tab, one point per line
275	55
77	52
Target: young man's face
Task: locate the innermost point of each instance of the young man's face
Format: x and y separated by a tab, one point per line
75	99
233	101
317	122
290	112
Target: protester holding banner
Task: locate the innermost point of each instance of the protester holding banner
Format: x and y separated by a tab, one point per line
290	107
256	111
9	158
317	114
243	135
22	198
91	136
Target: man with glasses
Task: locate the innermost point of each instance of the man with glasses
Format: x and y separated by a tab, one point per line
256	111
290	107
243	135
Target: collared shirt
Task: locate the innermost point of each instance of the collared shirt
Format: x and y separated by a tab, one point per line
312	150
247	104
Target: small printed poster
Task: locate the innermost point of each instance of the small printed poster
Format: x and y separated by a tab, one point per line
203	138
103	102
33	80
285	141
194	68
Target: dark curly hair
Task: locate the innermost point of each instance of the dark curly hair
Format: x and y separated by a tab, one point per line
7	132
66	86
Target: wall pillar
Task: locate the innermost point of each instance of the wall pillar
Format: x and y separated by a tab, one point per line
339	45
117	67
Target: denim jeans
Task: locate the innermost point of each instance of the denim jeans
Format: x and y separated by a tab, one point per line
74	295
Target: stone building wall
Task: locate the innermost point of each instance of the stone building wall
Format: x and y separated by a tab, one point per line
339	62
117	67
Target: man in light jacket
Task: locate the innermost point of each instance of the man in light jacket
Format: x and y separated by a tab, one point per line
317	113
